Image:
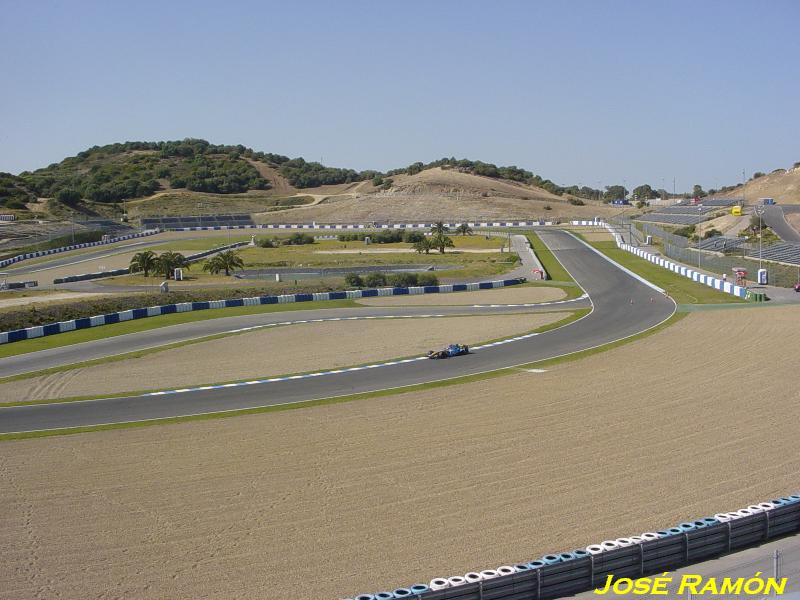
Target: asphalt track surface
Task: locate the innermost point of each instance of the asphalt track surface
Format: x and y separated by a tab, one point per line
775	219
622	306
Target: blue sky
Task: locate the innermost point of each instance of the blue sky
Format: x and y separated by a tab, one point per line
577	91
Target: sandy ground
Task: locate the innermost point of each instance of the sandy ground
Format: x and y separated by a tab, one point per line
44	298
782	185
250	355
367	495
512	295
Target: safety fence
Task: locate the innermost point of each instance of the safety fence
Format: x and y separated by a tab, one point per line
568	573
709	280
126	271
29	255
153	311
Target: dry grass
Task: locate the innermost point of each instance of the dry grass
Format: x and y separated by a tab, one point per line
324	502
782	185
305	347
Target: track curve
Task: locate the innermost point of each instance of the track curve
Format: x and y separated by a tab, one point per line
622	306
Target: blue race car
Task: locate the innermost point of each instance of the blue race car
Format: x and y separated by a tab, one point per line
451	350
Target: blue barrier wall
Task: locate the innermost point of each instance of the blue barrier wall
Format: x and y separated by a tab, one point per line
141	313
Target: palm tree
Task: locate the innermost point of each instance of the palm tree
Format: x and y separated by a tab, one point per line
424	245
440	241
224	261
144	262
464	229
167	262
440	228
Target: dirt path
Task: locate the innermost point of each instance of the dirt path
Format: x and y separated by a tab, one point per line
305	347
374	494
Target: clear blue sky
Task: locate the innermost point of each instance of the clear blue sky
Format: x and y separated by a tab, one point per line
577	91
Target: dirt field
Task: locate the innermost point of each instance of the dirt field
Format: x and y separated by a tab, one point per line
369	495
252	355
512	295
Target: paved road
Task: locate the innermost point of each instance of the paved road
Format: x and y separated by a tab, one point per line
623	306
775	219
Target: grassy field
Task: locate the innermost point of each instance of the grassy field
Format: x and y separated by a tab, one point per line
548	260
115	329
681	289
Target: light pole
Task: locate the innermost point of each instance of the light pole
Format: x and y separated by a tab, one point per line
759	212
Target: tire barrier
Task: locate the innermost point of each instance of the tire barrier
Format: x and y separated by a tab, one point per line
18	285
569	573
153	311
714	282
126	271
29	255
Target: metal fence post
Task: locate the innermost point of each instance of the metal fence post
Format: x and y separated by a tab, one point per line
776	565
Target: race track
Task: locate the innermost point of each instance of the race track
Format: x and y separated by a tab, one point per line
623	306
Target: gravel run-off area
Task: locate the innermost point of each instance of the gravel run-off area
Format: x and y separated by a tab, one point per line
367	495
275	351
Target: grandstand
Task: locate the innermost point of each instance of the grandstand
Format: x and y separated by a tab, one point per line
784	252
687	209
670	219
719	243
166	223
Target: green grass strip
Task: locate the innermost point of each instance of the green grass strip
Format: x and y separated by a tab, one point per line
137	325
350	398
571	317
682	289
550	263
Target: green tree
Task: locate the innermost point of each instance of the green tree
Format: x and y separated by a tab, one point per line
440	241
644	192
68	196
697	191
464	229
144	262
439	228
614	192
167	262
423	245
224	261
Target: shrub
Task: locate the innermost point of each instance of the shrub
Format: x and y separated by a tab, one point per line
576	202
402	279
299	239
265	243
353	280
375	279
412	237
427	279
548	207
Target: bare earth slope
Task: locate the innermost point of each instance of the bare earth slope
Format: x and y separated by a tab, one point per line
436	194
782	185
368	495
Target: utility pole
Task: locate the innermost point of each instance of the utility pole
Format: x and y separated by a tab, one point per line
759	212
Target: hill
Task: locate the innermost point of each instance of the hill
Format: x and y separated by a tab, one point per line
195	176
438	193
781	184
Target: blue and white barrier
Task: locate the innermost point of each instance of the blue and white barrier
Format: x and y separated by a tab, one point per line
356	226
714	282
29	255
166	309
